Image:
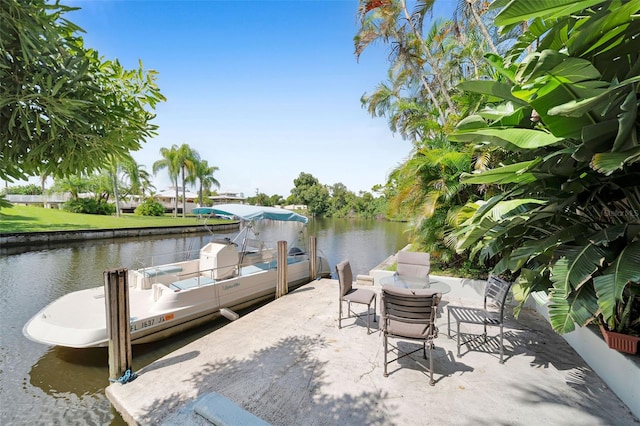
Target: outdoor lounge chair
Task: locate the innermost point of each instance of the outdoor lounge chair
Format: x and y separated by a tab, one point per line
408	314
353	295
413	264
495	297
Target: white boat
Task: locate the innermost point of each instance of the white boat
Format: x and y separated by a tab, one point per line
165	299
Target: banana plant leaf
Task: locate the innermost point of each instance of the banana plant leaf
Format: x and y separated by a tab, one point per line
550	79
495	89
566	309
509	138
513	173
604	30
609	286
609	162
576	266
522	10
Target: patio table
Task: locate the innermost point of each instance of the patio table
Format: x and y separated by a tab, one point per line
405	281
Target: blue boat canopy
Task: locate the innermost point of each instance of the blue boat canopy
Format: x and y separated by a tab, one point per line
249	213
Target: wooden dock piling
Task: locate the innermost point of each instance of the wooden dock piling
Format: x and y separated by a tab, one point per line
117	304
313	258
282	286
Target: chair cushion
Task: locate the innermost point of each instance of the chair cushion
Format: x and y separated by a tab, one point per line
360	295
414	264
408	330
345	277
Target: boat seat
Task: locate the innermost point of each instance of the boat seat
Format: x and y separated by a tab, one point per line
161	270
191	283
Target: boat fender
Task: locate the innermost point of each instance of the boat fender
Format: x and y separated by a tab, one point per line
229	314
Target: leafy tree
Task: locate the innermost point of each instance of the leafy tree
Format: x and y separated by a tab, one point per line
308	190
74	185
95	189
260	199
29	189
276	200
343	201
564	217
63	109
318	200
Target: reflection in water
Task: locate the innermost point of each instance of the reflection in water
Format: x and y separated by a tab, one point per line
55	385
83	371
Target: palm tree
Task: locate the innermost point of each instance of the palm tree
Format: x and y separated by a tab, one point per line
187	158
204	174
127	167
172	162
466	8
380	21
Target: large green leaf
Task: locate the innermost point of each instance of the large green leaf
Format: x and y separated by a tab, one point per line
534	248
549	79
492	88
505	209
616	277
510	138
601	98
604	30
609	162
576	266
568	309
518	11
513	173
498	64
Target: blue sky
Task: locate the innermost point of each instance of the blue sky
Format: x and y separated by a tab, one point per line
264	90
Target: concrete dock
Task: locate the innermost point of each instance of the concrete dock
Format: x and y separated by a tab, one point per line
288	364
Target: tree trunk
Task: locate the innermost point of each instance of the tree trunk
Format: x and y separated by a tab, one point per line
184	200
114	179
175	203
427	52
482	27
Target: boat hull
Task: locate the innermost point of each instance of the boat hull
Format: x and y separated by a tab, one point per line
157	310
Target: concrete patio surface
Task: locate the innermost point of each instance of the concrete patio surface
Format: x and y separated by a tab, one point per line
289	364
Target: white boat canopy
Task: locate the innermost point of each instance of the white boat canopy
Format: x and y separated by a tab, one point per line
250	213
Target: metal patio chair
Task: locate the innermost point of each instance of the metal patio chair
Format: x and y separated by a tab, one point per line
353	295
495	297
408	314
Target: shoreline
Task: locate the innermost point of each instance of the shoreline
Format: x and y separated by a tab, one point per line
22	239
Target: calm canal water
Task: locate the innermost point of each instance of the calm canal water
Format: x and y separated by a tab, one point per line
53	385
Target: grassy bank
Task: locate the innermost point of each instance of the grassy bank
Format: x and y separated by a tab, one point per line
38	219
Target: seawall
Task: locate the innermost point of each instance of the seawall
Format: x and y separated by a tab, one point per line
22	239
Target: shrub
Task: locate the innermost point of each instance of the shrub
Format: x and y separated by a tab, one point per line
89	206
149	207
30	189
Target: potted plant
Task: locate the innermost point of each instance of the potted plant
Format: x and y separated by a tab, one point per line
622	331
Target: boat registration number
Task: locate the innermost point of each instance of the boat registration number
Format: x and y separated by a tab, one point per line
150	322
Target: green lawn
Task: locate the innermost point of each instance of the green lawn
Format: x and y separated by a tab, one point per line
38	219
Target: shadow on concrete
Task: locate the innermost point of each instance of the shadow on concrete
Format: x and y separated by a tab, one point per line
287	378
